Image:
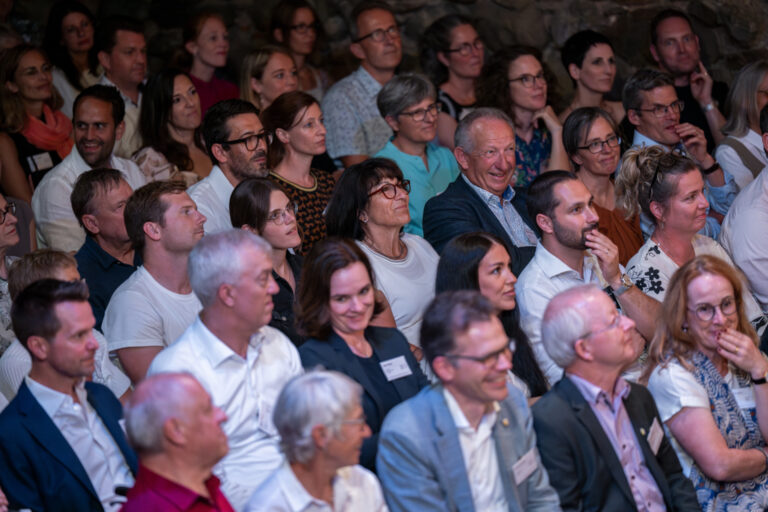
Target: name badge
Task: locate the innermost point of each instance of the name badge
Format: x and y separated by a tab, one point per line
395	368
42	161
525	466
655	436
745	397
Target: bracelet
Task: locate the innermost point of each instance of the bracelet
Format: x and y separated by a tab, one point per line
709	106
709	170
765	454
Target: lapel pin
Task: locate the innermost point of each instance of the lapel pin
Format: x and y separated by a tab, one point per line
642	431
505	422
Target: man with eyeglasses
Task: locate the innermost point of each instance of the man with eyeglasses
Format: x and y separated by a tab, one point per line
237	144
466	443
356	129
652	106
600	437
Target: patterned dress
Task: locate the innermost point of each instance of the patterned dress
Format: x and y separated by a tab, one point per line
532	158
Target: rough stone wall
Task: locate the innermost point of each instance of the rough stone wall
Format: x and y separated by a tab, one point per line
732	32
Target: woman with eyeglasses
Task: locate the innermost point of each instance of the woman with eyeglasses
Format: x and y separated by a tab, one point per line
295	26
452	55
294	122
335	311
588	59
708	379
407	103
370	206
262	207
590	137
513	81
9	237
668	189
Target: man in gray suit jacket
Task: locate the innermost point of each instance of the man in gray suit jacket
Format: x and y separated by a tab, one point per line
468	443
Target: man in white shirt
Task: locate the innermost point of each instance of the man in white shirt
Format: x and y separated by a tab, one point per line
61	446
238	359
98	124
122	51
467	443
237	144
572	252
154	306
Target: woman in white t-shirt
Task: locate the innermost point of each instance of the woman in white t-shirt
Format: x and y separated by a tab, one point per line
708	378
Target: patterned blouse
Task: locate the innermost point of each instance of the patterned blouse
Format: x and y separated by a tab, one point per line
532	158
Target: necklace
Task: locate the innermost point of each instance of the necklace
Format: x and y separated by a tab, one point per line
403	249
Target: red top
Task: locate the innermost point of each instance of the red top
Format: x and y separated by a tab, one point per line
154	492
213	92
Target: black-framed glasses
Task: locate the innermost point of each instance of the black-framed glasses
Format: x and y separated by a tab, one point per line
489	361
662	110
252	141
528	80
706	312
465	49
597	146
302	28
389	190
10	208
279	217
378	35
420	114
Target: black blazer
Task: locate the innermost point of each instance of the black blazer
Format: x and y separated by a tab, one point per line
581	462
387	343
460	210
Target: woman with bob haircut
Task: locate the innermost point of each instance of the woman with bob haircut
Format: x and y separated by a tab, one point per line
334	311
708	379
267	73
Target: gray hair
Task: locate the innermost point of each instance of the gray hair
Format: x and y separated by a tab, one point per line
564	323
463	136
642	81
218	259
404	91
316	398
741	103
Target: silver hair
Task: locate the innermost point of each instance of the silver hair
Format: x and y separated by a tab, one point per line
218	259
564	323
316	398
404	91
463	136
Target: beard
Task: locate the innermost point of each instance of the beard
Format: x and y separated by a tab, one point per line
253	167
572	239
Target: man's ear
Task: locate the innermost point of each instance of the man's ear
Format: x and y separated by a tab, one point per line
226	295
357	50
91	223
39	347
583	350
462	157
444	369
545	223
320	436
655	53
119	131
104	60
152	230
219	153
633	116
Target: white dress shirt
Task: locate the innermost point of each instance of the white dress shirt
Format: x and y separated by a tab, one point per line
731	162
478	449
211	194
130	142
246	389
89	438
57	226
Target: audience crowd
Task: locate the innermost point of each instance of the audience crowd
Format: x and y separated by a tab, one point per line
399	291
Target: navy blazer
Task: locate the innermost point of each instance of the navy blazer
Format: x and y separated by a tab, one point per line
461	210
582	464
387	343
38	468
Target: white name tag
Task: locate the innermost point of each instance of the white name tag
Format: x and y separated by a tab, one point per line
655	436
525	466
395	368
42	161
745	397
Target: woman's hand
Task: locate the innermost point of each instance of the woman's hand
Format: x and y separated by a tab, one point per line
739	349
547	114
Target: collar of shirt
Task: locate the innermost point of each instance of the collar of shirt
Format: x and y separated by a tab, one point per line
76	162
552	266
488	197
103	80
220	184
51	400
295	494
102	257
216	351
460	420
177	494
594	394
367	82
643	141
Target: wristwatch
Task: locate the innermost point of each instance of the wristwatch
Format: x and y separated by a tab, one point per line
626	284
712	168
709	106
761	380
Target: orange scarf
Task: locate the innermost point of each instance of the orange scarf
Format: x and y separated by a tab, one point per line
53	134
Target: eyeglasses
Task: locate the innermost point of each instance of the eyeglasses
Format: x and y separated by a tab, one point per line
252	141
11	208
420	114
662	110
378	35
465	49
529	81
706	312
389	190
360	422
614	324
598	145
279	217
491	360
303	28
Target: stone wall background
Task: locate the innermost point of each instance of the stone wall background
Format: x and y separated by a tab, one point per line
732	32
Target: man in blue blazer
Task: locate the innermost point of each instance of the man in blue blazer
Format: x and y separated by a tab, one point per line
482	197
600	437
468	443
61	446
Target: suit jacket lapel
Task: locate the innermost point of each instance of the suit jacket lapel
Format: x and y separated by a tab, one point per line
383	350
489	219
356	371
505	452
115	430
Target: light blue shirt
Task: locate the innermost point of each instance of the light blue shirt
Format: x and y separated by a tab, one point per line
425	183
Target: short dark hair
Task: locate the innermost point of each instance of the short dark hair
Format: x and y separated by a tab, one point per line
215	128
249	202
105	38
577	125
284	113
313	318
436	39
363	7
642	81
350	195
576	47
105	93
37	265
33	312
665	15
764	120
450	314
146	205
541	192
88	185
